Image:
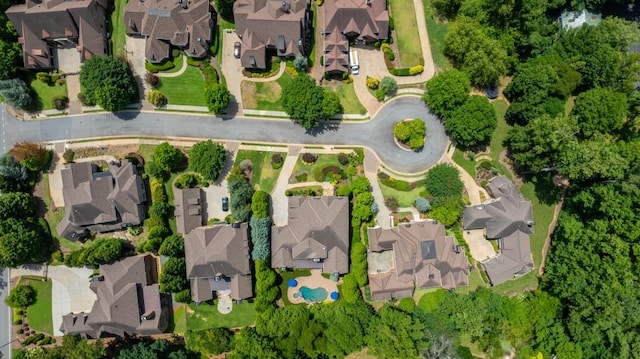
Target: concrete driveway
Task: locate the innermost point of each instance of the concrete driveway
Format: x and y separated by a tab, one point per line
69	60
232	70
70	290
216	191
135	56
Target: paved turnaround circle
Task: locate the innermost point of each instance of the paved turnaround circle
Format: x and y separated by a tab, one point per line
375	134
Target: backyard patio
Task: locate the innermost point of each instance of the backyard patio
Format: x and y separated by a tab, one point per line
318	286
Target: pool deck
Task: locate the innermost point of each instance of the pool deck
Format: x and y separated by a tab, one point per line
315	280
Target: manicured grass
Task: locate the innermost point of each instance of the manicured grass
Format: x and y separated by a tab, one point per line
406	29
405	199
39	314
437	31
206	315
263	173
284	280
512	287
501	131
322	161
265	95
45	93
348	99
430	301
568	106
186	89
177	62
468	165
118	30
542	214
178	322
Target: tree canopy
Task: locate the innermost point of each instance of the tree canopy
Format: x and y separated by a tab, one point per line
208	159
308	104
447	91
166	157
473	122
217	97
21	296
108	82
22	241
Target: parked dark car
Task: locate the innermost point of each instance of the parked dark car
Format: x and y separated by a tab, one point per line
236	50
225	204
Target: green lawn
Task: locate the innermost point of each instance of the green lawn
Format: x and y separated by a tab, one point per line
404	198
176	60
206	315
500	133
186	89
406	29
265	95
430	301
467	165
178	322
512	287
437	31
323	161
45	93
263	174
284	281
118	30
348	99
39	314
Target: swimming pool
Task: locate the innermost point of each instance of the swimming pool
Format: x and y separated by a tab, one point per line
312	294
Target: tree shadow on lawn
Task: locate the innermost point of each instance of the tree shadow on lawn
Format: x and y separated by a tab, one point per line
548	193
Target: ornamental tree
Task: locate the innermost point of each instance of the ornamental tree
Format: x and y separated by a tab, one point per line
307	104
217	97
21	296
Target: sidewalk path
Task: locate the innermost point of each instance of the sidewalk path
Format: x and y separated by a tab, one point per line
371	163
279	201
177	73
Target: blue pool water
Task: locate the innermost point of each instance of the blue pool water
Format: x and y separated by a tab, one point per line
313	295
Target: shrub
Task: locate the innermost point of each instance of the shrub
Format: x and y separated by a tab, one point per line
407	304
343	190
167	65
411	133
134	230
300	63
373	82
388	85
19	331
151	79
399	185
60	102
350	291
302	177
400	72
157	191
388	52
83	99
17	322
21	296
260	204
57	256
486	165
188	180
443	180
343	159
159	209
309	158
379	94
68	155
183	296
260	232
321	175
277	160
157	98
43	77
422	204
415	70
33	339
392	203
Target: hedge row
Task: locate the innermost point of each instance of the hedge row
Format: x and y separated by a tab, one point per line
159	213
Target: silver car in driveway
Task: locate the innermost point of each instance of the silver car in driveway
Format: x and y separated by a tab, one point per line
236	50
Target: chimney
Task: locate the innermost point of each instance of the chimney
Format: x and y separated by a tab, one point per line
368	2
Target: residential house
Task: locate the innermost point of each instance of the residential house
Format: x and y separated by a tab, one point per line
166	24
316	235
412	255
128	302
100	201
272	27
508	217
44	26
218	261
359	21
575	19
189	213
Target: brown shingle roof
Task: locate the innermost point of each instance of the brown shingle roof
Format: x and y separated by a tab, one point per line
317	229
186	24
39	23
128	290
220	251
189	209
100	201
422	255
275	23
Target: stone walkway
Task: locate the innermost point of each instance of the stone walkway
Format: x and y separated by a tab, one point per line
384	217
177	73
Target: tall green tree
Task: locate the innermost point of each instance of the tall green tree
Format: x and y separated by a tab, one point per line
217	97
15	93
305	102
600	110
208	159
17	205
22	241
108	82
167	157
394	333
447	91
473	122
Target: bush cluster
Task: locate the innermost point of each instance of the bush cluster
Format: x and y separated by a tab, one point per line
157	98
277	160
411	133
159	213
309	158
21	296
388	52
373	82
241	192
60	102
100	251
267	291
397	184
445	190
302	192
33	339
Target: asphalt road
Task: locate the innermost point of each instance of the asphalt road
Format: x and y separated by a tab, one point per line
5	316
375	134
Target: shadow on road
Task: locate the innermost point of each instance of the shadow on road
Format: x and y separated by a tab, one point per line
322	128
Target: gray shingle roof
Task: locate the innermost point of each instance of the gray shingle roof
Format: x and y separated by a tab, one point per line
127	292
39	23
186	24
317	228
265	23
508	218
422	255
223	251
100	201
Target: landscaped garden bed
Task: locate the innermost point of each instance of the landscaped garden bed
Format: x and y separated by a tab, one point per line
405	192
39	315
45	93
320	168
410	134
265	167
